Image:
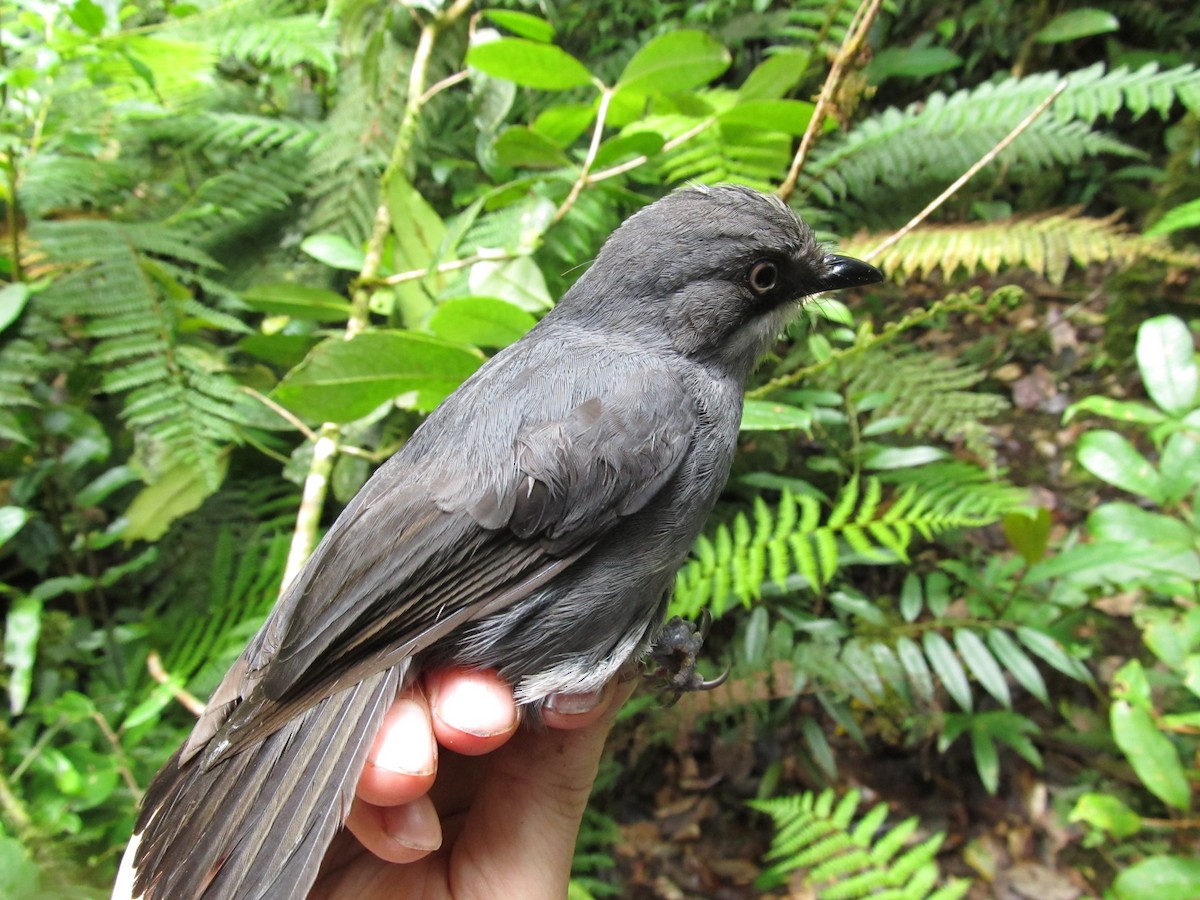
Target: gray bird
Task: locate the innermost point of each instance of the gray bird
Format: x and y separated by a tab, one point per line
533	524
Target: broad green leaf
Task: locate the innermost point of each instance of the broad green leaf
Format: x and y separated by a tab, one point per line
982	665
1167	360
13	298
786	116
1076	24
22	626
300	301
340	380
1151	754
916	670
1179	466
88	16
335	251
1111	458
103	485
1131	684
564	123
763	415
1018	664
1121	410
177	492
902	457
1124	522
524	24
1107	813
282	350
1159	878
19	874
482	321
529	63
944	662
775	76
818	745
675	61
904	62
519	281
521	147
12	520
1029	535
627	146
912	601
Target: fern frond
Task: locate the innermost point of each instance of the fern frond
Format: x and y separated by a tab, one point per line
282	42
788	548
53	181
845	862
178	401
942	136
235	132
1046	243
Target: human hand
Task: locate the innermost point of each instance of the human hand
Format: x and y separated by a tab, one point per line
497	816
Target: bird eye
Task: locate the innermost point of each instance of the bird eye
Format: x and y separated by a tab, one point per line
763	276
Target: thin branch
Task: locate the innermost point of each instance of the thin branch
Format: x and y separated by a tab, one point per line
123	768
283	413
187	700
966	176
452	265
856	36
606	95
628	165
312	500
448	82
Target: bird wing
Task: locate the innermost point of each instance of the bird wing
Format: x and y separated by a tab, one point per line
409	561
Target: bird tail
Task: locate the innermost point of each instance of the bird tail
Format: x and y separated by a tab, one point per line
255	825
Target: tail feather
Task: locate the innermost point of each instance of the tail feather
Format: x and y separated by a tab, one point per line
256	824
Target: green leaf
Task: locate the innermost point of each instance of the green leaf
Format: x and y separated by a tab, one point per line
1020	666
335	251
1029	535
1160	878
523	24
22	626
916	670
945	663
1111	458
982	665
482	321
1106	812
1126	523
763	415
1121	410
340	380
529	63
672	62
177	492
1052	652
564	123
786	116
12	520
282	350
911	598
1151	754
300	301
902	457
1076	24
775	76
987	760
914	62
13	298
521	147
1179	466
88	16
1167	361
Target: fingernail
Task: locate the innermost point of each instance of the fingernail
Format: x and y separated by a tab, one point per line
475	707
407	746
575	704
414	825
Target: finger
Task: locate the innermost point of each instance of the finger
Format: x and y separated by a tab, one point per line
572	711
473	711
403	760
396	834
527	813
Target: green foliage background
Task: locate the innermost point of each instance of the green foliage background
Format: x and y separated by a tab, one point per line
249	243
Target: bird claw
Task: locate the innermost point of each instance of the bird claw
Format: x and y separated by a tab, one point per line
676	650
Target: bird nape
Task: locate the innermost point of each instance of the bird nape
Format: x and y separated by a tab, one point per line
533	525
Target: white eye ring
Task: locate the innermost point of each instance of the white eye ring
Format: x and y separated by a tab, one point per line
764	275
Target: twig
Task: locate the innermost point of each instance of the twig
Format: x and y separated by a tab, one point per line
312	500
966	176
606	95
448	82
856	36
630	164
123	768
452	265
283	413
187	700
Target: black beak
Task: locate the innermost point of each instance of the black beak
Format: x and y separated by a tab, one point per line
846	272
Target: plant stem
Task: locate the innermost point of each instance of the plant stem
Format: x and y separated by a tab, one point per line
325	449
856	36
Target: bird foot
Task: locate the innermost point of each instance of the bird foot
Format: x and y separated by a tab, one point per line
676	650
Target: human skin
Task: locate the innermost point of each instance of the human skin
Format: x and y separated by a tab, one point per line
458	801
